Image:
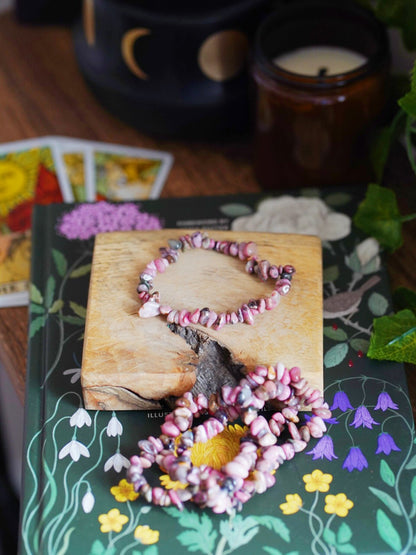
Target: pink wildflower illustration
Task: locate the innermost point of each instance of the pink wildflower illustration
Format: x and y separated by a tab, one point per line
86	220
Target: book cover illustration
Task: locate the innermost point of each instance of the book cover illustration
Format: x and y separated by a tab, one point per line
352	491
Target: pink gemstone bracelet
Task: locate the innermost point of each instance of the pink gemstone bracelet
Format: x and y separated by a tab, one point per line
262	449
246	252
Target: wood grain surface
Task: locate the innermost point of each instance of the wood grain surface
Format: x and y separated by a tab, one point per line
129	362
43	93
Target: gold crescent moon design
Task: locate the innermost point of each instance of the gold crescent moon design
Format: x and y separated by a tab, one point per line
127	46
89	21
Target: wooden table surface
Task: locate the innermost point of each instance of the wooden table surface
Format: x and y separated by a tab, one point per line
43	93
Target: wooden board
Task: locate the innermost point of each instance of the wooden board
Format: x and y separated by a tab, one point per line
135	363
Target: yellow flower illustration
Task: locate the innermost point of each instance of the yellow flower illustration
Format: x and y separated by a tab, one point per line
216	452
113	521
124	492
146	535
338	504
293	504
317	481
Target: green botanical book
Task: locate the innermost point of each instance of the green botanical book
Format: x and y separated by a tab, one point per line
352	491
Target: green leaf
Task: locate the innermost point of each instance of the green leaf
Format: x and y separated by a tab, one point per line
394	337
378	215
201	537
336	334
387	531
411	465
330	274
413	490
378	304
271	550
98	548
234	210
338	199
35	294
380	150
329	537
50	290
78	309
408	103
386	473
239	531
346	548
387	499
408	26
360	344
335	355
277	525
73	320
37	308
60	262
57	305
405	298
353	262
151	550
36	325
81	271
344	533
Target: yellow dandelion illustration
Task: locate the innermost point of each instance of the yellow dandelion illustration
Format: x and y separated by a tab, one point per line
124	491
293	504
338	504
216	452
113	521
146	535
317	481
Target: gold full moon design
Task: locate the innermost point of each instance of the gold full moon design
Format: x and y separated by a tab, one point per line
223	55
127	50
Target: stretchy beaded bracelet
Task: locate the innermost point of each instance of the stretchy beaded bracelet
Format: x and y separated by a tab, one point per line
262	449
246	252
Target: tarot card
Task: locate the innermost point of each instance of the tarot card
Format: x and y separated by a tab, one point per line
71	166
27	176
122	173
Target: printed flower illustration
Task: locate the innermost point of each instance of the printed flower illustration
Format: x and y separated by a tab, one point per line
363	418
114	427
79	418
117	461
124	491
385	402
76	374
341	401
386	444
146	535
88	502
287	214
216	452
365	258
355	460
74	449
324	448
86	220
338	504
293	504
113	521
317	481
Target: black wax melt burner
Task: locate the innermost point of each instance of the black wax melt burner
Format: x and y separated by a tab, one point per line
170	68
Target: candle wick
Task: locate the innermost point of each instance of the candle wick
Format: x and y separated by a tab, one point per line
322	71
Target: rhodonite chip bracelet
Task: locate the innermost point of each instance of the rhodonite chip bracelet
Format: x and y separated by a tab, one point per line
264	447
246	252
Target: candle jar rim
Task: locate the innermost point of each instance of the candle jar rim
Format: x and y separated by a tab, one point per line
297	14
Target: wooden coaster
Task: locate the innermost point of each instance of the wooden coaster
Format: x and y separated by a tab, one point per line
135	363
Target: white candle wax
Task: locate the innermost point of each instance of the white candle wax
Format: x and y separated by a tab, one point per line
320	60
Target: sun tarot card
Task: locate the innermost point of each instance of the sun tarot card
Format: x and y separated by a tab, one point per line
27	176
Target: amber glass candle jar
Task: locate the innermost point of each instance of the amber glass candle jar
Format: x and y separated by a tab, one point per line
315	115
